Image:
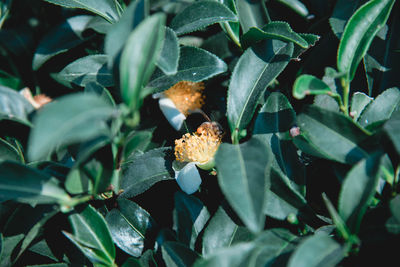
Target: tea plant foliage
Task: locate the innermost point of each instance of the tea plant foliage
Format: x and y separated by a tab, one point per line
289	144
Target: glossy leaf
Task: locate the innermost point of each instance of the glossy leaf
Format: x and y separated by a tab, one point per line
13	105
234	256
118	33
242	171
27	185
330	135
169	56
358	103
71	119
91	236
232	29
10	81
392	129
317	250
177	255
278	30
98	89
200	15
139	57
138	141
342	13
8	152
61	39
190	218
104	8
309	85
297	6
194	65
130	226
251	14
141	172
255	70
358	190
311	39
359	33
88	69
381	108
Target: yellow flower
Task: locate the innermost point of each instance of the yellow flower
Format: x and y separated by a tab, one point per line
180	100
201	146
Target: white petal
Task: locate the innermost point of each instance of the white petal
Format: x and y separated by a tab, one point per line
188	178
173	115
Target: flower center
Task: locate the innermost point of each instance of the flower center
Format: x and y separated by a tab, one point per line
187	96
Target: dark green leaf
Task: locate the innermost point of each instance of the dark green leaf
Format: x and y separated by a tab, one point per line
104	8
13	105
317	250
242	171
274	30
138	58
358	103
8	152
194	65
146	260
200	15
342	13
297	6
129	226
381	108
311	39
10	81
87	69
393	223
169	56
359	33
177	255
255	70
142	171
71	119
118	33
24	184
190	218
61	39
330	135
251	14
91	236
234	256
138	141
231	28
98	89
309	85
392	128
358	190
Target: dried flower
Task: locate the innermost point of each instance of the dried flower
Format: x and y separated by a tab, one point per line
180	100
37	101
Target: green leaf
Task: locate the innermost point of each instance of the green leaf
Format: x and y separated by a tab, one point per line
255	70
71	119
330	135
137	141
27	185
317	250
119	32
146	260
130	226
251	14
242	171
98	89
190	217
311	39
393	223
177	255
232	29
359	101
380	109
104	8
221	231
8	152
234	256
359	33
169	56
139	57
200	15
91	235
337	220
87	69
13	105
309	85
358	190
142	171
10	81
342	13
392	129
61	39
194	65
297	6
278	30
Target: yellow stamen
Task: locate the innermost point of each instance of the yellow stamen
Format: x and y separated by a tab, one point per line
198	147
187	96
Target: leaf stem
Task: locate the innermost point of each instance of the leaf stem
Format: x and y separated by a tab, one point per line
235	137
346	91
231	34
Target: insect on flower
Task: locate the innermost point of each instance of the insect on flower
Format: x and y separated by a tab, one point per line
197	149
180	100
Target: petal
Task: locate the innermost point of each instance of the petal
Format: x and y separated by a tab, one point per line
173	115
188	178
